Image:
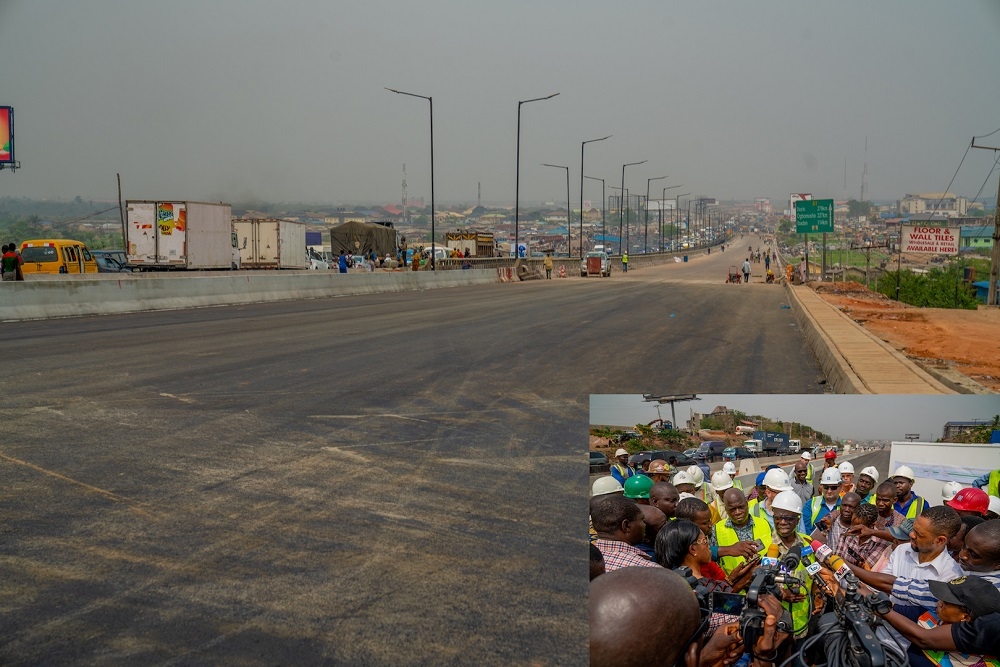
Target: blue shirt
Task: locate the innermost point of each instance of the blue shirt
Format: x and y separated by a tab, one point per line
342	263
807	524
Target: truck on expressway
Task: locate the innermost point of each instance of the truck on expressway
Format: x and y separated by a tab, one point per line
763	442
166	235
271	244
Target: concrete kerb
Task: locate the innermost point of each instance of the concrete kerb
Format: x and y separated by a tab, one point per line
838	373
837	368
105	294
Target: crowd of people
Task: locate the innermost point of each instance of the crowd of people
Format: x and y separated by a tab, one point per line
667	545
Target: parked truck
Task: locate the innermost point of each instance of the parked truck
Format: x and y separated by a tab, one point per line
271	244
764	442
165	235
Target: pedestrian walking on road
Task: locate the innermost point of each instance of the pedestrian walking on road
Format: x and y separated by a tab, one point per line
746	270
767	262
548	265
802	271
625	262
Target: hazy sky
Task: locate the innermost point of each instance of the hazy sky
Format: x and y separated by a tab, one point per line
849	417
238	99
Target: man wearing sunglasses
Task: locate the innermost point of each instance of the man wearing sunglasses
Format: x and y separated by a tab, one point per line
815	513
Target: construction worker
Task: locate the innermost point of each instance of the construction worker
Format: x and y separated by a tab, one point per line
625	262
867	481
730	469
972	502
846	477
830	459
621	470
787	509
807	457
816	511
721	482
991	482
637	488
949	491
907	503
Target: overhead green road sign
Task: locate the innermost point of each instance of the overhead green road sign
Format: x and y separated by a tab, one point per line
814	216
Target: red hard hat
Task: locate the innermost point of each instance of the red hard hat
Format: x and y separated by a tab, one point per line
971	500
830	454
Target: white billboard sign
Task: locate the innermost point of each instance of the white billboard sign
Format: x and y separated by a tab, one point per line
791	203
930	239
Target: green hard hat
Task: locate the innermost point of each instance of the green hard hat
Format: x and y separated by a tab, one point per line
638	486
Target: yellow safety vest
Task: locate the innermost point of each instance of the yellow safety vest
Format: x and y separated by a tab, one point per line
801	611
916	507
809	473
726	537
993	488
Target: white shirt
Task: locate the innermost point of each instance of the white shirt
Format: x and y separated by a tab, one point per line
903	563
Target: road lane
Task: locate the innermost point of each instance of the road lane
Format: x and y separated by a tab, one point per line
373	479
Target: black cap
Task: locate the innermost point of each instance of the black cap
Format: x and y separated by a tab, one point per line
976	594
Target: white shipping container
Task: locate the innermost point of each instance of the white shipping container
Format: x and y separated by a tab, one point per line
271	244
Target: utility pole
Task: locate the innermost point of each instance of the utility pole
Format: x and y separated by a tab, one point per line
991	294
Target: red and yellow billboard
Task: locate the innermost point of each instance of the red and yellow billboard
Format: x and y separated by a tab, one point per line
6	135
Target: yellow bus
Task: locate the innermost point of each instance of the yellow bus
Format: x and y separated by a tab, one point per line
57	256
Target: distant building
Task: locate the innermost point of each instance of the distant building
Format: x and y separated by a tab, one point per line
933	202
979	236
953	429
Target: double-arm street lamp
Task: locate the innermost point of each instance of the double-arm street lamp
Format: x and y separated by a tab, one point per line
568	221
589	141
621	207
663	198
604	225
645	238
431	101
517	169
677	214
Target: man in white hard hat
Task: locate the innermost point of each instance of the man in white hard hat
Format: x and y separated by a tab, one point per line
846	477
621	470
807	457
721	482
701	490
603	486
787	510
775	481
815	514
730	469
683	483
867	481
908	503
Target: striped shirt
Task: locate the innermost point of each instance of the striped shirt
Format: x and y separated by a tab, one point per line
918	592
622	554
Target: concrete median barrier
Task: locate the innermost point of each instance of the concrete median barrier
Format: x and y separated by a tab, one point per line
104	294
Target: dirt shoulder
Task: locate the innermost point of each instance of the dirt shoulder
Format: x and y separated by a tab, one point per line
964	340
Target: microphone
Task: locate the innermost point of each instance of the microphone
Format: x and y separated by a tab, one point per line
771	559
792	558
824	554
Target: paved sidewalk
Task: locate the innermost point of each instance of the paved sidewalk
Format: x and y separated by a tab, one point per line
853	360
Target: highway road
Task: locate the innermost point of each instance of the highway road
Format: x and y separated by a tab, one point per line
385	478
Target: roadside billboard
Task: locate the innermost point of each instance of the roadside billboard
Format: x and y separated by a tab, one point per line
6	135
791	203
930	239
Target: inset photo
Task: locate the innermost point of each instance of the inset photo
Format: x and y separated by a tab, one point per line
771	526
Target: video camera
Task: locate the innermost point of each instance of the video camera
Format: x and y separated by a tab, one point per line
770	577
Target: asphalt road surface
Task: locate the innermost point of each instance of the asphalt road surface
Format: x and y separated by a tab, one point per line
392	478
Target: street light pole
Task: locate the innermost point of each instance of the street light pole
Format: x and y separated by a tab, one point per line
517	168
589	141
645	239
663	198
621	207
604	202
677	214
431	101
568	221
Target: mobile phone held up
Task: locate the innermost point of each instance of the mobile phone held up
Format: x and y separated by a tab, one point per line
727	603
